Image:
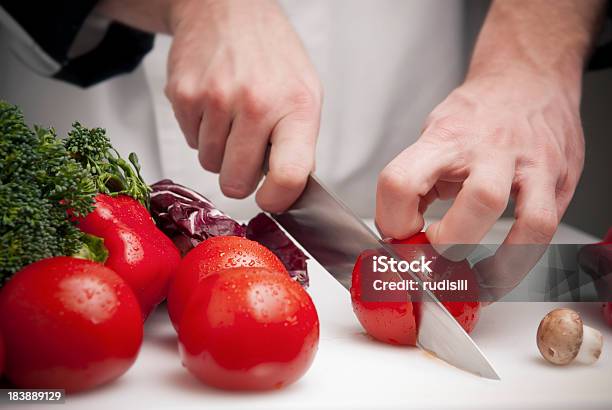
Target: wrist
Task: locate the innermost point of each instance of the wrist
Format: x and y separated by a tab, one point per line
515	73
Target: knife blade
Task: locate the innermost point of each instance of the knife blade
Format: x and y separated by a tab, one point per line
335	237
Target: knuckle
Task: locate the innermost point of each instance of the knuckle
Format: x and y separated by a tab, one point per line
541	224
255	101
289	176
552	157
317	91
446	127
491	198
217	97
182	93
393	180
303	98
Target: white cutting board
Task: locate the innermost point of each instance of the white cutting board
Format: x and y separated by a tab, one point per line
352	371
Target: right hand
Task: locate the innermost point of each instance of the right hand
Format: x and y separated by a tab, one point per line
238	79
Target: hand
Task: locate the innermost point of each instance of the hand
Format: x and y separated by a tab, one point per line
505	133
238	79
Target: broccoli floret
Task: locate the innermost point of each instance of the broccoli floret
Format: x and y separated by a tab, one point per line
39	183
112	175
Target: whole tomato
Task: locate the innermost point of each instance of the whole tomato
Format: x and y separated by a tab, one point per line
249	329
211	256
68	324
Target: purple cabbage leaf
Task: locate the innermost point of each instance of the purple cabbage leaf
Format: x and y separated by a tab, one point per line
188	218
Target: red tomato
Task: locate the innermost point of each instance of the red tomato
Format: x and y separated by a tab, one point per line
397	322
68	324
466	313
388	321
249	329
211	256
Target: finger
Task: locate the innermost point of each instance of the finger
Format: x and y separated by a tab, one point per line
291	161
243	158
535	211
214	129
481	201
442	190
535	225
403	183
187	106
189	121
428	199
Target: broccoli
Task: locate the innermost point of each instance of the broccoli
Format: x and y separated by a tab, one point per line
39	183
44	179
112	174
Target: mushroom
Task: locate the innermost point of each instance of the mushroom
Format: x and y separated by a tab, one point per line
562	337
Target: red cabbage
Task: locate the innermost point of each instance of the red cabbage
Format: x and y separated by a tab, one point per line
189	218
264	230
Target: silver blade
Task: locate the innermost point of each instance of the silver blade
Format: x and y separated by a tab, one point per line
335	237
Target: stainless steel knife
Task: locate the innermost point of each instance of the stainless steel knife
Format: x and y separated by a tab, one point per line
335	237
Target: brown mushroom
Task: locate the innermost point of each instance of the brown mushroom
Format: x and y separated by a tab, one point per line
562	338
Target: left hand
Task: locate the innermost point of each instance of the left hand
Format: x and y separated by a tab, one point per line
510	133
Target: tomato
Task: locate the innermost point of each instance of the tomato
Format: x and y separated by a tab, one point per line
211	256
249	329
466	313
396	322
68	324
391	322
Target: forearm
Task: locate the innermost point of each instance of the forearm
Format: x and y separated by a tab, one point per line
552	38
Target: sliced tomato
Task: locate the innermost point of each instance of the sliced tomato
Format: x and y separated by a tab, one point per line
467	313
394	322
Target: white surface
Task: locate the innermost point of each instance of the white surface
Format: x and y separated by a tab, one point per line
352	371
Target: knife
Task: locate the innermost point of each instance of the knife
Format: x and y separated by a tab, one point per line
335	237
